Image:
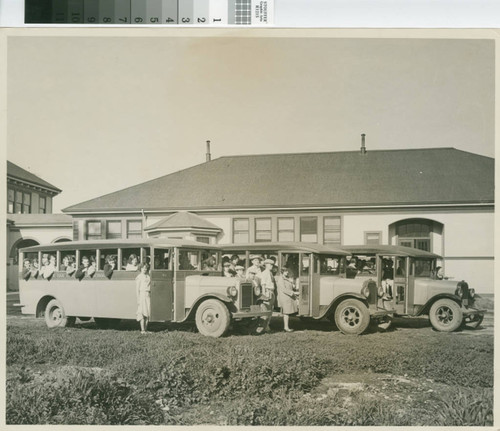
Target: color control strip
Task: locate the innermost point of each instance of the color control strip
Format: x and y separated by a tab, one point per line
151	12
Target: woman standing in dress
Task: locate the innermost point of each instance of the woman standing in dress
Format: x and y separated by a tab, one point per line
143	291
287	298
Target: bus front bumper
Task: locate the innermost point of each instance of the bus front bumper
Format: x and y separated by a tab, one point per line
253	312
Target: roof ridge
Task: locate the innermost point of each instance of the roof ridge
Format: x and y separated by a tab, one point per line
337	152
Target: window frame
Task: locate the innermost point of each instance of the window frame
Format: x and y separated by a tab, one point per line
239	231
372	232
315	218
329	230
114	236
292	230
90	237
270	230
134	233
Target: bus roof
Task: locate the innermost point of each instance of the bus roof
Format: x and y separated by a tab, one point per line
284	246
121	243
389	249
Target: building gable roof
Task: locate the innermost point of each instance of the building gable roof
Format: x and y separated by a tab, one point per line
18	173
183	220
388	177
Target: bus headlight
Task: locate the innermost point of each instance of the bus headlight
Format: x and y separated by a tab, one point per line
459	291
380	292
257	291
365	291
232	291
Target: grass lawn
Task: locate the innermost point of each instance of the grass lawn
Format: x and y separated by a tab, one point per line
411	375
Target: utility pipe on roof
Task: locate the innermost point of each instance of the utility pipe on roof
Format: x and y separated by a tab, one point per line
363	148
209	156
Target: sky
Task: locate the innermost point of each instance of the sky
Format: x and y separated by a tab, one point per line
96	114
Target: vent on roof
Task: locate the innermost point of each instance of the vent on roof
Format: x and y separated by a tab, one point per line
209	156
363	148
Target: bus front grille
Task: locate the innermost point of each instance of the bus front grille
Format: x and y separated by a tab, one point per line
246	295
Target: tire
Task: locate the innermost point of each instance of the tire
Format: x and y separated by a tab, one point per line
212	318
55	316
352	317
105	323
445	315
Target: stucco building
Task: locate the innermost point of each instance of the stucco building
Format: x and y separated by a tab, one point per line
29	216
441	200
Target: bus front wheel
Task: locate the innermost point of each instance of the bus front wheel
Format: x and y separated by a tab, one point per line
56	317
352	317
212	318
445	315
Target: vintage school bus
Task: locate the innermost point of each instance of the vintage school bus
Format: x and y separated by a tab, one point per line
186	284
323	290
415	286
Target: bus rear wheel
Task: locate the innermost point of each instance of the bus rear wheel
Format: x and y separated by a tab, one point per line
212	318
55	317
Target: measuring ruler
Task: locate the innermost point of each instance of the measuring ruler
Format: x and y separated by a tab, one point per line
150	12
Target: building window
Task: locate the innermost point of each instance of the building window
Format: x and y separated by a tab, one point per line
373	238
286	229
42	206
414	233
204	239
262	229
94	230
309	229
10	201
134	229
331	230
26	203
241	230
113	229
18	202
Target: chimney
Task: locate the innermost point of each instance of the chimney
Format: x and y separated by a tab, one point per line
363	148
209	156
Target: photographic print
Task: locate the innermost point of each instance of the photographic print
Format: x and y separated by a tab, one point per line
250	227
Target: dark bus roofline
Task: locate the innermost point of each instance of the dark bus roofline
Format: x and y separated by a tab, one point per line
284	246
389	249
122	243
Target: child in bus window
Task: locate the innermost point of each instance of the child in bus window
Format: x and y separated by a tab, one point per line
34	268
85	269
132	263
110	266
49	269
27	269
69	263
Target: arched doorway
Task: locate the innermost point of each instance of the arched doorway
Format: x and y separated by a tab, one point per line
13	264
424	234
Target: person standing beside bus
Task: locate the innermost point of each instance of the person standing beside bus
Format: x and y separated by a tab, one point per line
268	289
143	292
287	299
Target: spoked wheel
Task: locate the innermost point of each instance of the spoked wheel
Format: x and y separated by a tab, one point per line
445	315
352	317
55	317
212	318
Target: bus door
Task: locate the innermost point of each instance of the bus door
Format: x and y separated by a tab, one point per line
305	274
162	285
314	284
293	261
186	263
400	290
410	292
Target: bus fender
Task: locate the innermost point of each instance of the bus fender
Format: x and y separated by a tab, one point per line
190	314
330	310
425	309
42	305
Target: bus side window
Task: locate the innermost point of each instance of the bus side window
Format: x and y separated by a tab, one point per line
131	258
68	262
189	260
161	258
